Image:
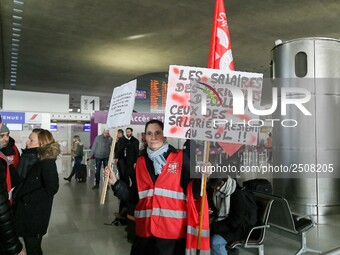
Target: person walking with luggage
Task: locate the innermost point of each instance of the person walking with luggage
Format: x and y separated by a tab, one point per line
77	153
33	198
100	151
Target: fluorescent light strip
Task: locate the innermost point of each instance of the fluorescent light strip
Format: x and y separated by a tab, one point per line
18	2
15	41
17	10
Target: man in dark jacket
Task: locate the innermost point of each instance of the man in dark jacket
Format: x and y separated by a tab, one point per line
9	242
123	175
119	155
8	146
9	149
131	151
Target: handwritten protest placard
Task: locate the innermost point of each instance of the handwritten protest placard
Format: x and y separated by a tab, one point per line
212	105
121	106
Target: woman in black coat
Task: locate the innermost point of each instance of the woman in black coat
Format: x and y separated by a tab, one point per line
34	197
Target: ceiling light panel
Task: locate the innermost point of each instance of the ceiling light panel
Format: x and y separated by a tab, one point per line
16	10
18	2
16	17
16	33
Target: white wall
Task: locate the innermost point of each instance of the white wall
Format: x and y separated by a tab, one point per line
25	101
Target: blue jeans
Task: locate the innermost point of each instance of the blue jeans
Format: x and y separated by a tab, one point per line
77	163
218	245
99	166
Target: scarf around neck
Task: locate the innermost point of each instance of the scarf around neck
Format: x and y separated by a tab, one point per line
157	157
222	198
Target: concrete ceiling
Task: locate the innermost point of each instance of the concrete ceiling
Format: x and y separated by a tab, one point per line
82	47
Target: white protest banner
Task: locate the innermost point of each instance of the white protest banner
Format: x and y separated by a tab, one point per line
213	105
121	106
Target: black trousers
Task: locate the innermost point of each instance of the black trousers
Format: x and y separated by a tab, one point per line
158	246
33	245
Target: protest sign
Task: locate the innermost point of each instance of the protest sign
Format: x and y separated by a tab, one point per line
212	105
121	106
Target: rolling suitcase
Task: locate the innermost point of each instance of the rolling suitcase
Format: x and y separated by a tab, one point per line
81	173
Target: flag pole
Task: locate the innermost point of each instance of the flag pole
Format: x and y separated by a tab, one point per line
106	180
203	194
217	50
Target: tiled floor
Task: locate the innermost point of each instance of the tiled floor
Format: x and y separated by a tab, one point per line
77	225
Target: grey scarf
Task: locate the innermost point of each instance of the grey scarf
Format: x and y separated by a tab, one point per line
222	198
157	157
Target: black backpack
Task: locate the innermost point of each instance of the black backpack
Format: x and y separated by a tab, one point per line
250	203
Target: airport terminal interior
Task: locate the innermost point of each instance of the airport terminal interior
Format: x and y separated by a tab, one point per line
62	61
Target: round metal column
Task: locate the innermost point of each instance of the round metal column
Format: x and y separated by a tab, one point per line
312	64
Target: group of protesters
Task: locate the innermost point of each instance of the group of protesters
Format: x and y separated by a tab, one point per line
167	199
155	182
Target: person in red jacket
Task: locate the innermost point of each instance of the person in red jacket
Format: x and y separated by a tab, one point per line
8	146
158	189
9	241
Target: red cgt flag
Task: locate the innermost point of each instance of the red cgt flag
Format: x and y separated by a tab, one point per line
220	56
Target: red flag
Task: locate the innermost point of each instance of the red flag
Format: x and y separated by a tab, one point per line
220	56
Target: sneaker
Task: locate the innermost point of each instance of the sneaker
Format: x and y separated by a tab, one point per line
95	186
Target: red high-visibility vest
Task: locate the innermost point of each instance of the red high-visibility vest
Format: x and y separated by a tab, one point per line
162	207
193	225
15	157
8	176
